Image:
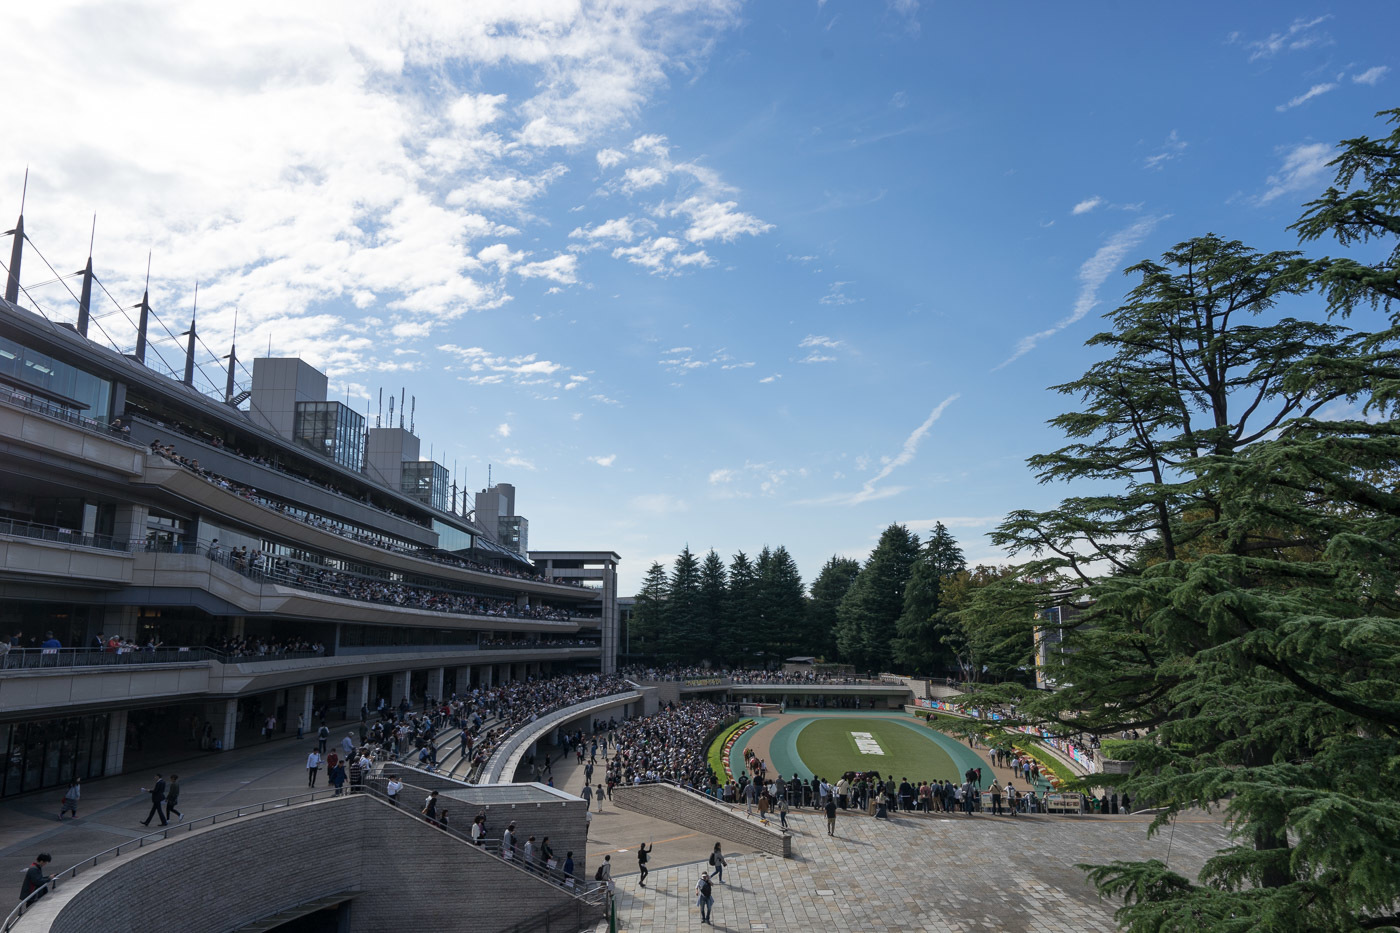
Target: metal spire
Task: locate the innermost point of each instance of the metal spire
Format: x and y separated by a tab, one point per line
85	302
232	360
145	307
17	249
189	347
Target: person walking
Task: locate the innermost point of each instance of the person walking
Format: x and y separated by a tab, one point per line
996	799
172	797
717	862
598	796
642	854
301	725
323	735
157	792
705	897
313	765
782	811
830	816
70	799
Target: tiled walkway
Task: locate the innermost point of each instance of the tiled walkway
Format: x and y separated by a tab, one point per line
951	875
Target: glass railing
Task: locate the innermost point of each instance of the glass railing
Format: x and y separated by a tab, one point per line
30	402
33	659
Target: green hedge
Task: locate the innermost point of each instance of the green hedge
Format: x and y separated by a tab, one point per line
716	754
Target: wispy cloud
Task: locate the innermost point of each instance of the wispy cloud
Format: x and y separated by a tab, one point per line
503	430
818	340
487	368
602	461
1171	149
1304	167
1317	90
773	378
836	295
1302	33
1086	205
1092	274
871	490
1371	76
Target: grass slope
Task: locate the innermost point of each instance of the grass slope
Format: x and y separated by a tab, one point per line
827	747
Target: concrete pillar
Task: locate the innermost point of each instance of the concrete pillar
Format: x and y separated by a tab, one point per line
299	703
224	717
485	675
116	743
119	620
403	680
464	681
357	695
435	683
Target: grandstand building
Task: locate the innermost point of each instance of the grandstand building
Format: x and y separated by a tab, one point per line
176	568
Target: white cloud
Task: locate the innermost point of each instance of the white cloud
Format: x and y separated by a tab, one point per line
1172	148
619	228
562	268
503	430
871	490
1301	34
773	378
1304	168
817	340
722	476
290	154
1371	76
1092	274
607	158
710	220
661	255
1317	90
836	295
638	179
1087	205
514	459
487	368
604	461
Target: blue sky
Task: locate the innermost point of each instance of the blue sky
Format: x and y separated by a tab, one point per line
693	272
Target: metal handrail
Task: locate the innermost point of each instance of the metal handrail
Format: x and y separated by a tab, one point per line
21	399
160	835
376	786
61	535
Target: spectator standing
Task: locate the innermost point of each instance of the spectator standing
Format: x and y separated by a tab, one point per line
705	897
830	816
642	854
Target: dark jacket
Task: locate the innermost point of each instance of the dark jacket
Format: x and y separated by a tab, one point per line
158	792
34	879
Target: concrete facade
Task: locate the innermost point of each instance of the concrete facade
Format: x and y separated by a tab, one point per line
702	814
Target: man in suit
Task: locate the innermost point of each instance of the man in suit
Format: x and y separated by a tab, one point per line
157	793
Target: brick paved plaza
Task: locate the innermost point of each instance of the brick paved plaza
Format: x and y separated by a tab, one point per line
959	874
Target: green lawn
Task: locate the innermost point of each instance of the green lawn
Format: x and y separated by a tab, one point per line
828	747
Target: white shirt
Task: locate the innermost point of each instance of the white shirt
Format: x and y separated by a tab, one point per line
394	787
313	760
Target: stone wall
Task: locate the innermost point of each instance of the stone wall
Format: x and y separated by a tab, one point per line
700	813
228	875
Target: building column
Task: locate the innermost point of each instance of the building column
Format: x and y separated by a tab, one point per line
299	703
224	718
402	681
464	681
356	695
435	683
484	676
116	744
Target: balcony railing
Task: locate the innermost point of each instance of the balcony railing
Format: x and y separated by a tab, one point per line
34	659
284	572
30	402
61	535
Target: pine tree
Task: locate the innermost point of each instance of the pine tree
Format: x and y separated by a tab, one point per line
831	584
782	602
648	622
683	641
713	603
924	622
739	644
1249	623
869	611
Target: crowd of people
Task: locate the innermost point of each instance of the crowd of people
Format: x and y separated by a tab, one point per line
368	589
742	675
669	745
536	643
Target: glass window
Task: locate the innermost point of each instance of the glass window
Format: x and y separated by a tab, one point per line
43	372
425	481
332	430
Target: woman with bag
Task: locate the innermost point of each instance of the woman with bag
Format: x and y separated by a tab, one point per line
717	863
70	799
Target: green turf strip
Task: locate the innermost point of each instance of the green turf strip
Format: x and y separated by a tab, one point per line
827	747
